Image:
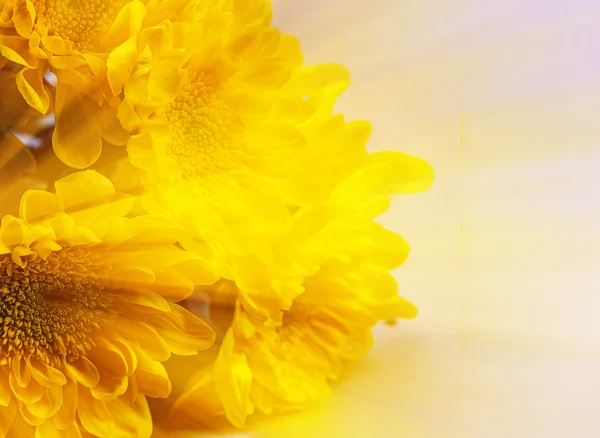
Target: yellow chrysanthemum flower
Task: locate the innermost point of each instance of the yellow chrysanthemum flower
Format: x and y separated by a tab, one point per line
72	39
274	366
224	118
279	358
88	315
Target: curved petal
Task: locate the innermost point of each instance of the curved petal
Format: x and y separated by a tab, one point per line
233	380
127	23
24	17
30	83
77	139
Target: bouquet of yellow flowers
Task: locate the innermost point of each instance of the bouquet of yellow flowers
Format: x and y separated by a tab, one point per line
175	180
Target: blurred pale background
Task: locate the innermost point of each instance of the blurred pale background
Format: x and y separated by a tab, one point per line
503	99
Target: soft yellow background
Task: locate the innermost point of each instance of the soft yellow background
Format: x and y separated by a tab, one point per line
503	99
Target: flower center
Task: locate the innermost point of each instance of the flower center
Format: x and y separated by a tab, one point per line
206	134
50	308
79	21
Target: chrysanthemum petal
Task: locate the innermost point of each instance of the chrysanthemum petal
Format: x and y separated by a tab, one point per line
127	23
152	378
36	205
99	197
119	64
185	333
16	49
21	371
83	371
199	401
133	419
110	387
5	390
65	417
49	404
397	307
390	173
233	380
24	17
47	430
31	85
76	138
198	271
7	415
46	375
164	82
110	359
57	45
29	394
94	415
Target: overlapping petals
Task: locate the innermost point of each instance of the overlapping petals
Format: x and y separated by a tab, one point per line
284	346
71	39
240	191
88	298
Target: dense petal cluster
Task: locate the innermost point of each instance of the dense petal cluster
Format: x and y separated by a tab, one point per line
223	187
282	350
71	39
88	315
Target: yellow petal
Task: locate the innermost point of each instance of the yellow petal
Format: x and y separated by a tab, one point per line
132	419
164	82
83	371
146	299
57	45
94	415
233	380
322	80
127	23
46	375
146	337
397	307
199	401
390	173
24	17
7	415
65	62
184	333
45	248
48	430
16	49
65	417
79	236
21	371
152	378
97	64
271	73
172	284
142	150
110	387
200	272
119	64
112	358
111	128
77	138
11	231
128	117
87	195
30	83
49	404
36	205
5	390
29	394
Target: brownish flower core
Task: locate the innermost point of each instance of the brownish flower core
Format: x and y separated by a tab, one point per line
50	308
